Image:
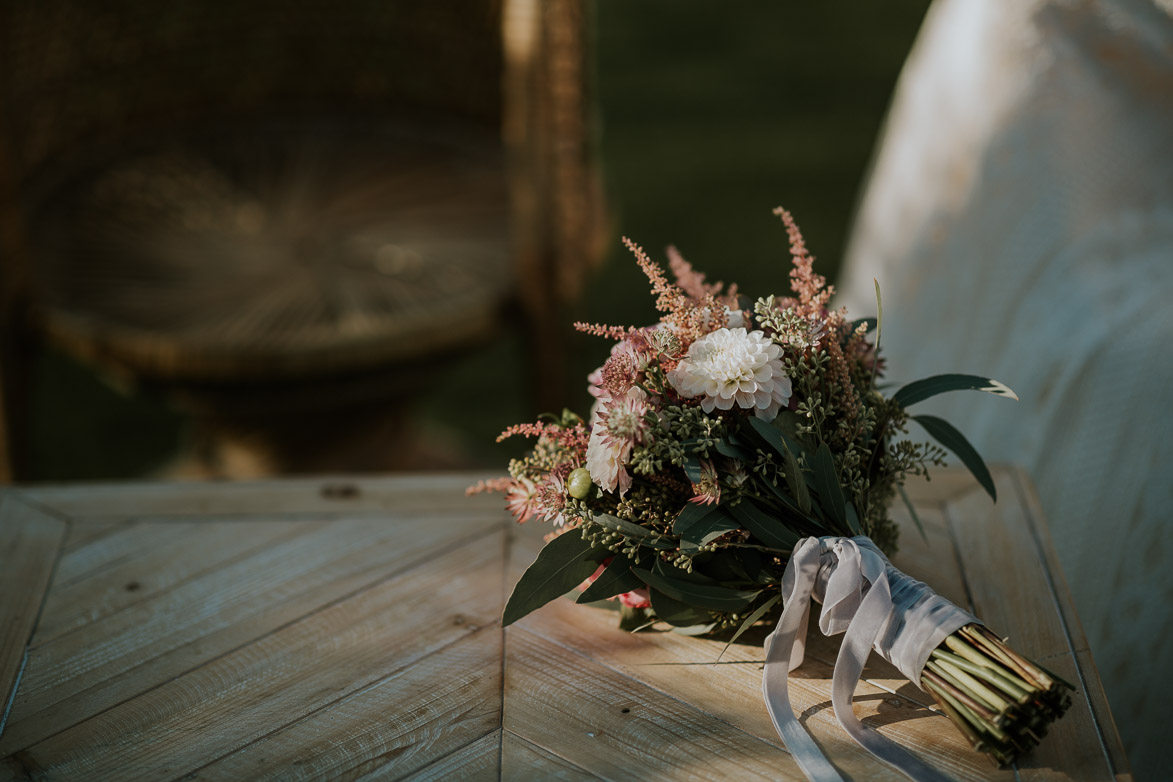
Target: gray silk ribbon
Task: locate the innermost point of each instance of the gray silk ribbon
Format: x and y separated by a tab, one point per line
876	607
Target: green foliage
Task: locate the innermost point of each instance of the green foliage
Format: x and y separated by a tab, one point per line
945	433
921	390
712	504
564	563
616	579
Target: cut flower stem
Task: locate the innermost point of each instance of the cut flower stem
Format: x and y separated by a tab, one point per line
1002	702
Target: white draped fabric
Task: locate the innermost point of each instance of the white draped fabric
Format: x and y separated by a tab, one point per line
1019	219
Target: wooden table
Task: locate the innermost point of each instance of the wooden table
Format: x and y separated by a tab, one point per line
347	628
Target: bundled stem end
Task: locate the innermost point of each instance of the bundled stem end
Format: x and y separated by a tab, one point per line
1001	701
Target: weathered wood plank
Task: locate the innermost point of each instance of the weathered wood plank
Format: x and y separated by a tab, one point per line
998	555
610	725
29	542
522	760
931	558
475	762
414	493
684	669
1026	498
395	726
84	531
149	559
322	655
236	699
1105	725
152	642
942	486
1076	747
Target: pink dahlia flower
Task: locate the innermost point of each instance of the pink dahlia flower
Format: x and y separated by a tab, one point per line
618	427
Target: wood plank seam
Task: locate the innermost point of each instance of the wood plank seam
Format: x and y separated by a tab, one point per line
565	760
17	498
950	522
429	770
22	496
78	524
414	565
103	499
244	517
1032	524
423	771
506	551
96	571
349	694
956	545
24	660
689	706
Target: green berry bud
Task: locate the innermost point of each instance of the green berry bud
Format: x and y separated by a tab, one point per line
578	483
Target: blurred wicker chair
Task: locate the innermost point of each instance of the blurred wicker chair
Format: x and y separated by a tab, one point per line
279	207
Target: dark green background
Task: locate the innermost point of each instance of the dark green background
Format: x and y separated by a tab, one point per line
711	114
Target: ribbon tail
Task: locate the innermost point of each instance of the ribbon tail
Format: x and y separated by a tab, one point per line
857	643
780	645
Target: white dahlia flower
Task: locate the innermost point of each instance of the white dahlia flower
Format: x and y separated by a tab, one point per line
730	366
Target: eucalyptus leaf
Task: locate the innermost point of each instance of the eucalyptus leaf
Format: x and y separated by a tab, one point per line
724	566
616	524
879	315
920	390
616	579
716	598
726	448
676	612
694	576
646	536
695	629
792	508
691	514
692	468
943	432
707	530
795	481
750	620
853	520
562	564
830	492
772	532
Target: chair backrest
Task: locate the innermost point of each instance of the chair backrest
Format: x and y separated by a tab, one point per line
74	74
82	80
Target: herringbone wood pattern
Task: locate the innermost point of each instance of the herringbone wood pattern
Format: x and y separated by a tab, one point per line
350	629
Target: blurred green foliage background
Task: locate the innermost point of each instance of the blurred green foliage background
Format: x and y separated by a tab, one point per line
710	115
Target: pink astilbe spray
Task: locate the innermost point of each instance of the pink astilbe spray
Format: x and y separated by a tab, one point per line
812	289
573	438
500	485
693	282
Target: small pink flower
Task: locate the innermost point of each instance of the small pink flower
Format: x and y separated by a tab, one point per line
595	576
618	427
636	598
708	488
521	499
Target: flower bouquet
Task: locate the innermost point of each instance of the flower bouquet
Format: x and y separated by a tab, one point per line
741	460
